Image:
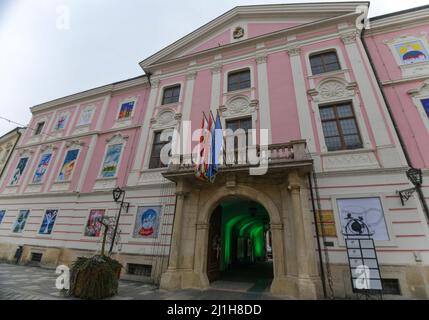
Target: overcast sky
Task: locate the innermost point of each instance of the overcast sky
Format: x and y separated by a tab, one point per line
44	57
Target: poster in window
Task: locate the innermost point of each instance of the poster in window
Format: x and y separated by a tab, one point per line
85	117
94	223
147	222
2	214
48	222
371	212
110	164
21	220
412	52
68	165
126	110
61	122
42	167
18	171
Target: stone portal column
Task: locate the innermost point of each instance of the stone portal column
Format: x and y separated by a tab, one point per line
200	279
304	248
171	279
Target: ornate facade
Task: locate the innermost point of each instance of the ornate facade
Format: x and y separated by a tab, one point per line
300	71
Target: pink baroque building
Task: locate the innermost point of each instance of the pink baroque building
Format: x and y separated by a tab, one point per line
300	71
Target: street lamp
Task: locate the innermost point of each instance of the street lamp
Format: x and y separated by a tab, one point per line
415	176
118	193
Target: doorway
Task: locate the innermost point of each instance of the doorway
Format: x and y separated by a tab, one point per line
240	247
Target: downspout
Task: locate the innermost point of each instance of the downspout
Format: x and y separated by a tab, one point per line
395	125
322	267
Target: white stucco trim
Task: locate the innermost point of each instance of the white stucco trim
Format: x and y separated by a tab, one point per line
417	95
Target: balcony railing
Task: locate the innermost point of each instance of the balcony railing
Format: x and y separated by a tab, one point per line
276	154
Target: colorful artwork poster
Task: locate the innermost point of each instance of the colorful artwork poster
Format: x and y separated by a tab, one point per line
85	117
18	171
61	122
42	167
110	164
425	103
126	110
412	52
2	214
94	224
68	165
147	222
21	220
48	222
368	210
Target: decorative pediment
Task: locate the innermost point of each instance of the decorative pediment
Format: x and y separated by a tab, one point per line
74	143
117	138
238	106
333	89
26	152
166	117
47	147
246	22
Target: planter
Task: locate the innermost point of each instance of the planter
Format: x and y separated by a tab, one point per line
95	278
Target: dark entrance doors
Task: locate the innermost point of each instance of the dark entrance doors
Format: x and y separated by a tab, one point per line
215	245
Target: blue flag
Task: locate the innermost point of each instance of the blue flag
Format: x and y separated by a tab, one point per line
216	149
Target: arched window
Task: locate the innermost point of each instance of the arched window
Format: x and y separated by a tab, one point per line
324	62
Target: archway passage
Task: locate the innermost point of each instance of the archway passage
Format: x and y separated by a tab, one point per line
239	247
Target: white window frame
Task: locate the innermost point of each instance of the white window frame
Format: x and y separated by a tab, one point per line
41	222
23	172
417	95
48	151
149	240
89	108
227	71
127	100
72	147
117	139
326	49
16	218
167	86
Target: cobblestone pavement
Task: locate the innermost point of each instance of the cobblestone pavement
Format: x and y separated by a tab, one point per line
33	283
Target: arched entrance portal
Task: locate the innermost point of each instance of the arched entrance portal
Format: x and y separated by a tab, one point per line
239	251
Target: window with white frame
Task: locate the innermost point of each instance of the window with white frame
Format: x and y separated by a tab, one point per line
425	103
68	166
126	110
238	80
111	160
324	62
171	94
61	122
86	116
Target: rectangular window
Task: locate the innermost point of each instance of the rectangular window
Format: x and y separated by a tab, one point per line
171	95
234	125
126	110
48	222
391	286
61	122
340	127
39	128
19	171
110	164
155	156
425	103
42	167
68	165
239	80
21	220
85	117
36	257
144	270
2	214
94	223
324	62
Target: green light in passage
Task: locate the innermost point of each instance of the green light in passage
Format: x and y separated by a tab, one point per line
228	235
257	235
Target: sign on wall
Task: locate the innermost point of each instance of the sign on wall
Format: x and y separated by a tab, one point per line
326	223
48	222
94	223
147	222
370	210
21	220
126	110
2	214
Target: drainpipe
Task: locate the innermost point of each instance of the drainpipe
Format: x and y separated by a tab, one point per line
395	125
322	267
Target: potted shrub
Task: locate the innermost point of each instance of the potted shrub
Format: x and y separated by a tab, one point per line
96	277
